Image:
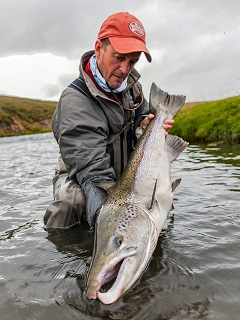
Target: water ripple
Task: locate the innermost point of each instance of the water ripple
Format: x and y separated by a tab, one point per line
193	272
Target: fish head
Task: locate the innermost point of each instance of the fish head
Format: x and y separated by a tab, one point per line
124	241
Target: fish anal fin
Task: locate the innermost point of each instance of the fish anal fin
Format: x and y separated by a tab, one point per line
175	184
176	145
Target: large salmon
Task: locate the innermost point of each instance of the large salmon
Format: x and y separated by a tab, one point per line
137	206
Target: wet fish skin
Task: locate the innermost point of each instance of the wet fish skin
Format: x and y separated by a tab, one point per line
132	217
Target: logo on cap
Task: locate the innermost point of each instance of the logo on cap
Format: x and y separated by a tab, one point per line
137	28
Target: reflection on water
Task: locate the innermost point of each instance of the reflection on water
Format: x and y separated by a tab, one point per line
194	269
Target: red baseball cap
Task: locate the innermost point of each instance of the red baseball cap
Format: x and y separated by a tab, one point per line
126	34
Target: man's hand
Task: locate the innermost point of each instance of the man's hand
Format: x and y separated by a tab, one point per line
167	124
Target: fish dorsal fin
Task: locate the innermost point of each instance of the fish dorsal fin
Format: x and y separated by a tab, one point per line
153	196
176	145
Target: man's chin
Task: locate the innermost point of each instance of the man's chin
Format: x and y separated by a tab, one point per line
115	85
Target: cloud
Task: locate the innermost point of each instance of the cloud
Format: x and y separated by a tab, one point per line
50	90
195	45
44	75
61	27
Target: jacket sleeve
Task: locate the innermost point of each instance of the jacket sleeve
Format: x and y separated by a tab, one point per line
81	130
82	138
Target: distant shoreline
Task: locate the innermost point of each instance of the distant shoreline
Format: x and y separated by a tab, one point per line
209	122
20	116
213	121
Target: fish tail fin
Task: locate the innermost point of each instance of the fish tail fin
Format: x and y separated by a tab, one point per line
176	145
162	100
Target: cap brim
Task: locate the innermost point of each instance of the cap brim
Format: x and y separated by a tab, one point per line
128	45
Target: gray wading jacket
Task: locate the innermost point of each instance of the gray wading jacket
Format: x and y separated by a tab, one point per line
96	139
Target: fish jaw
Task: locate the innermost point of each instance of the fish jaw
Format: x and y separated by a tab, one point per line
104	270
126	263
130	271
122	283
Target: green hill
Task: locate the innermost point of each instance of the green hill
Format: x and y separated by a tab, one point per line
20	116
215	121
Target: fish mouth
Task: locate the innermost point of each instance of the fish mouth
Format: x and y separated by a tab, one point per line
109	284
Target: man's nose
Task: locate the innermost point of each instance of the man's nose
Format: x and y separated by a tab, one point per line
125	67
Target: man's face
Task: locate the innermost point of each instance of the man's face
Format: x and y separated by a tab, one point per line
114	66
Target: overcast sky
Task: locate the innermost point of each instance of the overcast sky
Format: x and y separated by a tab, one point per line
195	45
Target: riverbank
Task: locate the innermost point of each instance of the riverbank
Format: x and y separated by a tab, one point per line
214	121
19	116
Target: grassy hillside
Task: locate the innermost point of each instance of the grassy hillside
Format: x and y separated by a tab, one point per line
24	116
216	121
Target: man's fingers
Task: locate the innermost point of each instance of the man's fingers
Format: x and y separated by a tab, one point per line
147	120
167	124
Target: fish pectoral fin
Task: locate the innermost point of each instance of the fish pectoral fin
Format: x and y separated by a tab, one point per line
175	184
176	145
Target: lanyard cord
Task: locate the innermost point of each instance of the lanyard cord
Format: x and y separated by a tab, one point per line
135	105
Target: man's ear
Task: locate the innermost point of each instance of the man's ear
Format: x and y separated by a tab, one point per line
98	47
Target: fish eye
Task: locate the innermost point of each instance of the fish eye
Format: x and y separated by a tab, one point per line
117	240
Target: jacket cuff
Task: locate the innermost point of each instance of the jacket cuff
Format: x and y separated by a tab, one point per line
95	196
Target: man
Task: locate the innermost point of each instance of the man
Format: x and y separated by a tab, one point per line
96	131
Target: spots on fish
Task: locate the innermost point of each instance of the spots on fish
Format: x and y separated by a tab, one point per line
131	214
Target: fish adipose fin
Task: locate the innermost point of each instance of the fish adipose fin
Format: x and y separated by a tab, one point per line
162	100
176	145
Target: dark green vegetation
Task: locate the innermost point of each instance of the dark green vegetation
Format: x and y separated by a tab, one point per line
24	116
215	121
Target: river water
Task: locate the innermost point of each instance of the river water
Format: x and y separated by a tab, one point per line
194	272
